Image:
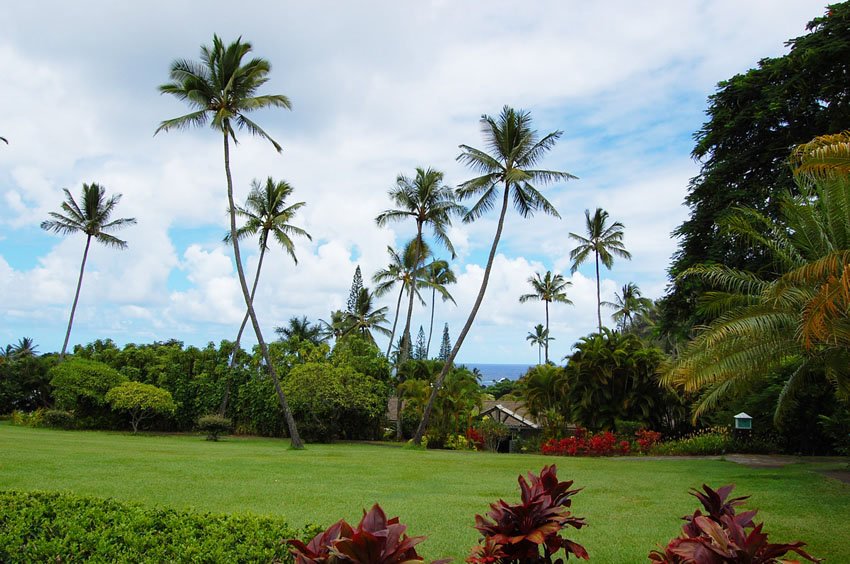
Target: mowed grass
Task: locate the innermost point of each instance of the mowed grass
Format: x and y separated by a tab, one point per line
631	504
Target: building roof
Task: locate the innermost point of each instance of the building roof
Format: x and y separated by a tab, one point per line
512	413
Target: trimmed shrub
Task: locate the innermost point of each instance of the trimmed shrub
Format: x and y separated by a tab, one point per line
141	401
60	527
214	425
80	385
58	419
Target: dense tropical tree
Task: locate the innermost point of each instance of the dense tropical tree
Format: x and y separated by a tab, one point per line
793	319
365	318
404	268
753	119
539	337
542	390
547	289
222	89
603	242
92	217
439	276
628	305
430	203
509	166
611	376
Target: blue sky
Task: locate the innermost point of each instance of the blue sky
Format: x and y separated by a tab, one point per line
378	88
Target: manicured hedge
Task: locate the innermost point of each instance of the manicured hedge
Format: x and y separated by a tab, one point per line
60	527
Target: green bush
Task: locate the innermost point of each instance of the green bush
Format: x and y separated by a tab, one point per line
58	419
214	425
713	441
80	385
60	527
27	419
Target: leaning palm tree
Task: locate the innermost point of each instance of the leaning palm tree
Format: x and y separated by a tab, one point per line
603	242
267	213
514	150
405	268
439	276
430	203
91	218
541	338
222	90
547	289
628	305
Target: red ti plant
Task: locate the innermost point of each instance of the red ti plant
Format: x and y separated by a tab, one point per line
516	533
723	536
376	540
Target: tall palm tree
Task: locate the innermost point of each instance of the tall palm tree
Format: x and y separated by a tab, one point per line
547	289
405	268
628	305
365	318
267	213
539	337
439	276
515	148
603	242
425	199
222	89
91	218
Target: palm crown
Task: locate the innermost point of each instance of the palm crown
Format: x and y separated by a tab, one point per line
267	213
91	218
222	89
547	288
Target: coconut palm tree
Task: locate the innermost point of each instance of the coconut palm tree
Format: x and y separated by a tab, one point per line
629	304
603	241
266	212
430	203
439	276
91	218
547	289
795	319
365	318
509	166
222	90
300	328
539	337
24	348
405	268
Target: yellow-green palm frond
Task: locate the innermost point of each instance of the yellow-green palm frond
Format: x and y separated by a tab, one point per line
823	156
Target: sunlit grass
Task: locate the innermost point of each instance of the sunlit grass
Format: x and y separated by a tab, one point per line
631	504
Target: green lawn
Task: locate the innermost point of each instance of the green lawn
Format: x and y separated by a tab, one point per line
631	504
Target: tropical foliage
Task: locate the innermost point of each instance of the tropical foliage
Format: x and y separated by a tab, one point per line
140	401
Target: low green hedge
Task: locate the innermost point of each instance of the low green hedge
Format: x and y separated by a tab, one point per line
60	527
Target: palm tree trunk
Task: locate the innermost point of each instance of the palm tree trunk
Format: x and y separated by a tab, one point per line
295	438
429	407
546	341
404	353
598	295
223	409
395	321
431	327
76	298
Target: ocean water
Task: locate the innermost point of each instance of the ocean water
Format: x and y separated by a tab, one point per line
494	372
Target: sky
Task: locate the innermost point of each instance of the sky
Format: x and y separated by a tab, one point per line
377	89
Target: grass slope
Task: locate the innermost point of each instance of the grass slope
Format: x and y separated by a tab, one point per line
631	504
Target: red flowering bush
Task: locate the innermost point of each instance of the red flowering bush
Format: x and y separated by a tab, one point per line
475	437
585	443
646	439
